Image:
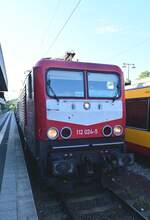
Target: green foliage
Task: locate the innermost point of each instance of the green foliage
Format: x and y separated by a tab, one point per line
144	74
11	105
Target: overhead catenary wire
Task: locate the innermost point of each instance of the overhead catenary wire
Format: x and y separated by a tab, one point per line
130	49
63	26
53	17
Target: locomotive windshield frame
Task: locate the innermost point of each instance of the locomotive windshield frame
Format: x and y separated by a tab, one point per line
60	78
111	86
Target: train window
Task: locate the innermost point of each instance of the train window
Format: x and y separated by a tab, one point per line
102	85
137	113
30	86
64	83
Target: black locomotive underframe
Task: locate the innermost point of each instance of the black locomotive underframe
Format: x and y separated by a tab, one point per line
86	157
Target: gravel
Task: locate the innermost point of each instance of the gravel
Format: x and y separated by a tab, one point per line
140	169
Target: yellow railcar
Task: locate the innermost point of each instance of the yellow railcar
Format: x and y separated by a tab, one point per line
138	120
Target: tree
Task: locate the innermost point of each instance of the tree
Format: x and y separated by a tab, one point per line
144	74
11	104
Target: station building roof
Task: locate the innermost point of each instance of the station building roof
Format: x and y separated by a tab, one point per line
3	75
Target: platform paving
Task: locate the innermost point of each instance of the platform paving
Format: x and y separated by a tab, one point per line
16	198
3	118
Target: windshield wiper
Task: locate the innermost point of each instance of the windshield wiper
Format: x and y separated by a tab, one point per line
53	92
116	95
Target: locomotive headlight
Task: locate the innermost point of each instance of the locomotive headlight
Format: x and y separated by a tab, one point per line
86	105
118	130
107	131
52	133
66	132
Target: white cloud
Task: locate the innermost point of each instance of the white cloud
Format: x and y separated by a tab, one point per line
116	4
102	29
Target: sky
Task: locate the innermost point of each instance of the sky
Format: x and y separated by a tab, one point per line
110	31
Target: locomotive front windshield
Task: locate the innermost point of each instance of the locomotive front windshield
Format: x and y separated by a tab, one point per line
102	85
64	83
69	83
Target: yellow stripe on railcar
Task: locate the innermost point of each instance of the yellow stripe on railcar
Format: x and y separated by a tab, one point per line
137	93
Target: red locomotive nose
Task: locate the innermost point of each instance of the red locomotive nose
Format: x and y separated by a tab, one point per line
72	115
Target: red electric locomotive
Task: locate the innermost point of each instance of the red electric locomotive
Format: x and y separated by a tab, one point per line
73	117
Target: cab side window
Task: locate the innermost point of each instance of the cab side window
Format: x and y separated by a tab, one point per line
137	113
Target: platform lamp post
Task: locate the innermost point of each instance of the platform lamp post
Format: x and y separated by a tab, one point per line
128	66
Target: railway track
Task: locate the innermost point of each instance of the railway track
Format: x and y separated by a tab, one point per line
92	202
102	204
126	198
88	207
128	205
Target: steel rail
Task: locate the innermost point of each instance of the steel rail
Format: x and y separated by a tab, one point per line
71	215
127	205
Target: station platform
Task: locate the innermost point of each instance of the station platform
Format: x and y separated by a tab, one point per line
16	198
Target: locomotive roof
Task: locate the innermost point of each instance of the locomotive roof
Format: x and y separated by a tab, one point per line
58	63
